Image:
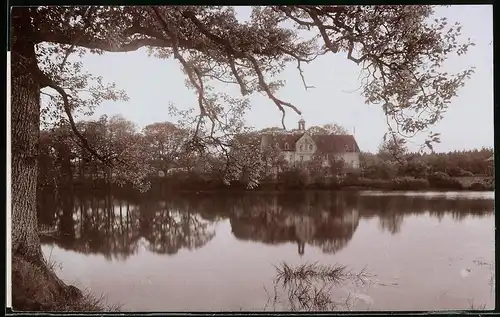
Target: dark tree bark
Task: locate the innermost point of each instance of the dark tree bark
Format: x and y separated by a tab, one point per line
25	135
25	125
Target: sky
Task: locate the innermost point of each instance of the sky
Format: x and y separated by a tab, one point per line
152	84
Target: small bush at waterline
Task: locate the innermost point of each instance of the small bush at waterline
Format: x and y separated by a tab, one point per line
441	180
400	183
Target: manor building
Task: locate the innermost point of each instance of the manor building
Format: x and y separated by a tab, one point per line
303	146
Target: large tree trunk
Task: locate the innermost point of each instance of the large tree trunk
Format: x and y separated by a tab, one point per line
25	134
25	123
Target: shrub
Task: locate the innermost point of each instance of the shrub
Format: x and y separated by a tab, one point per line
414	168
460	172
478	186
319	181
373	183
379	169
442	180
409	183
294	178
439	175
351	179
332	183
400	183
467	173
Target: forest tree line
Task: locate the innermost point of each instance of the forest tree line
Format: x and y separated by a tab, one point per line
161	152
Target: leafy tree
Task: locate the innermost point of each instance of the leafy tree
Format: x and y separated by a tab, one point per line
329	129
414	168
393	148
375	167
273	160
126	145
401	52
317	170
276	130
166	143
335	166
245	160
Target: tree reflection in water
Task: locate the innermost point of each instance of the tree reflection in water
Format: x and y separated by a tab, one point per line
116	227
117	224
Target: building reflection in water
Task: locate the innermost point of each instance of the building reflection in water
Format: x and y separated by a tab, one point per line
118	224
323	220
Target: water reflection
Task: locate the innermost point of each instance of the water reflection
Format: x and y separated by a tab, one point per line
312	287
117	224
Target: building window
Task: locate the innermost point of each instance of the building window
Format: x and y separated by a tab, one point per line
346	148
301	158
301	147
310	147
277	145
286	146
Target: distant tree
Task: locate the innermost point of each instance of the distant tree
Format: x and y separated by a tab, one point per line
46	161
393	148
335	166
245	160
318	171
117	140
276	130
374	167
58	151
166	142
328	129
273	160
415	168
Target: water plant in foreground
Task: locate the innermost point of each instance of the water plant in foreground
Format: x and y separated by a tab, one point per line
309	287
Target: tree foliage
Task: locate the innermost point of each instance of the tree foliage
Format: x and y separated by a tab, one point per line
328	129
400	48
393	148
246	162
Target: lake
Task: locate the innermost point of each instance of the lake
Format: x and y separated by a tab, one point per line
202	252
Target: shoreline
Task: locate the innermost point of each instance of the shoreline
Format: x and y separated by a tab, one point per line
275	188
345	189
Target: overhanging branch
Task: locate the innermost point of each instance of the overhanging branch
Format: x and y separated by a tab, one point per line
46	81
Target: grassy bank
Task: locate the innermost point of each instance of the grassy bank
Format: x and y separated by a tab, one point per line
288	181
34	290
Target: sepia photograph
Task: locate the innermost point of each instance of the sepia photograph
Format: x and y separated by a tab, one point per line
289	158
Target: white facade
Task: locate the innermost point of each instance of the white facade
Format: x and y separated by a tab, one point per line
305	149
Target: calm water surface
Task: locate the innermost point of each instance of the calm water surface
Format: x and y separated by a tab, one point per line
423	251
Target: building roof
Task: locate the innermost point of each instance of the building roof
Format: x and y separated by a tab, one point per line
324	143
282	139
335	143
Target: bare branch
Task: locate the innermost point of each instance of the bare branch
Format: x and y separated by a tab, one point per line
302	76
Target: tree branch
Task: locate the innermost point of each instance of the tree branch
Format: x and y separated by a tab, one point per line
46	81
86	17
232	51
302	76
